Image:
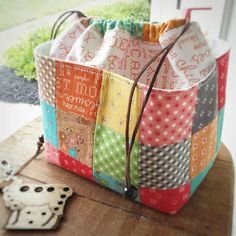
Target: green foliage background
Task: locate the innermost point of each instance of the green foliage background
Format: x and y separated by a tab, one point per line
20	57
140	9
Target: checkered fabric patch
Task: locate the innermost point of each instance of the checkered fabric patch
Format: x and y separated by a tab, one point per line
207	103
164	167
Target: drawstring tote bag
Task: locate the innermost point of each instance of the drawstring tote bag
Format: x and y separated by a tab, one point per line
134	106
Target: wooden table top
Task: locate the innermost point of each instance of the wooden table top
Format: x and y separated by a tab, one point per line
95	210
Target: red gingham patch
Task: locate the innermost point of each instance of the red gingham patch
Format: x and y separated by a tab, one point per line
168	201
168	117
222	64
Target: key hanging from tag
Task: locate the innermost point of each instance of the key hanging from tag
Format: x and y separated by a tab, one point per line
33	206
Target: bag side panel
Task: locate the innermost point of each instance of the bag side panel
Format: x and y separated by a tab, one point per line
109	145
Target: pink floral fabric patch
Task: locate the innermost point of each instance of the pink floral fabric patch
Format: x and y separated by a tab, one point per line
52	154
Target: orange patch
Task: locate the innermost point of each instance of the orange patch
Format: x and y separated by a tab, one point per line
152	32
78	89
203	148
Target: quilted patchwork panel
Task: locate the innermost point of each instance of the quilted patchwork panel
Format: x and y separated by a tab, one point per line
51	154
109	182
84	111
109	155
206	108
47	79
78	89
75	135
219	128
113	103
49	123
168	201
65	161
203	148
168	117
196	181
222	64
75	166
164	167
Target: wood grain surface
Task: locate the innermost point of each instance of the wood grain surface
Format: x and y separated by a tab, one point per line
20	147
95	210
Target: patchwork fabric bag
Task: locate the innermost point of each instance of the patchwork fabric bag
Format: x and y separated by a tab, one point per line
136	107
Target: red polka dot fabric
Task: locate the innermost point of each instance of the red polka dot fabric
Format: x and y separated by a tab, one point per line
65	161
75	166
222	64
168	117
168	201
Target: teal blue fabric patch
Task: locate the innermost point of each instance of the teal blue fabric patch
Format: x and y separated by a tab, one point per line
49	123
73	153
219	128
198	179
110	182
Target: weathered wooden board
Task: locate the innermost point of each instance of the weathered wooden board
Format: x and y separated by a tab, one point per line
20	147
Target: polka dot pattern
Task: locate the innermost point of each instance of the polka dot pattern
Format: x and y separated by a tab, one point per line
203	148
75	166
49	123
164	167
168	117
206	108
222	64
113	103
195	182
46	78
109	155
168	201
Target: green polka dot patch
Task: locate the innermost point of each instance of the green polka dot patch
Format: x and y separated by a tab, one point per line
109	155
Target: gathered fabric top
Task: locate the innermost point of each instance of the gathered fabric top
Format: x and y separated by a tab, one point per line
125	47
139	29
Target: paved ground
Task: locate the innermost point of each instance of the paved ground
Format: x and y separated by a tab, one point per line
17	90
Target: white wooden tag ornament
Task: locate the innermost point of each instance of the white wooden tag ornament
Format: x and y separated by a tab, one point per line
34	206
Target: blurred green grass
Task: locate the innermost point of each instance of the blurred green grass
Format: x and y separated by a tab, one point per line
140	9
20	56
14	12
